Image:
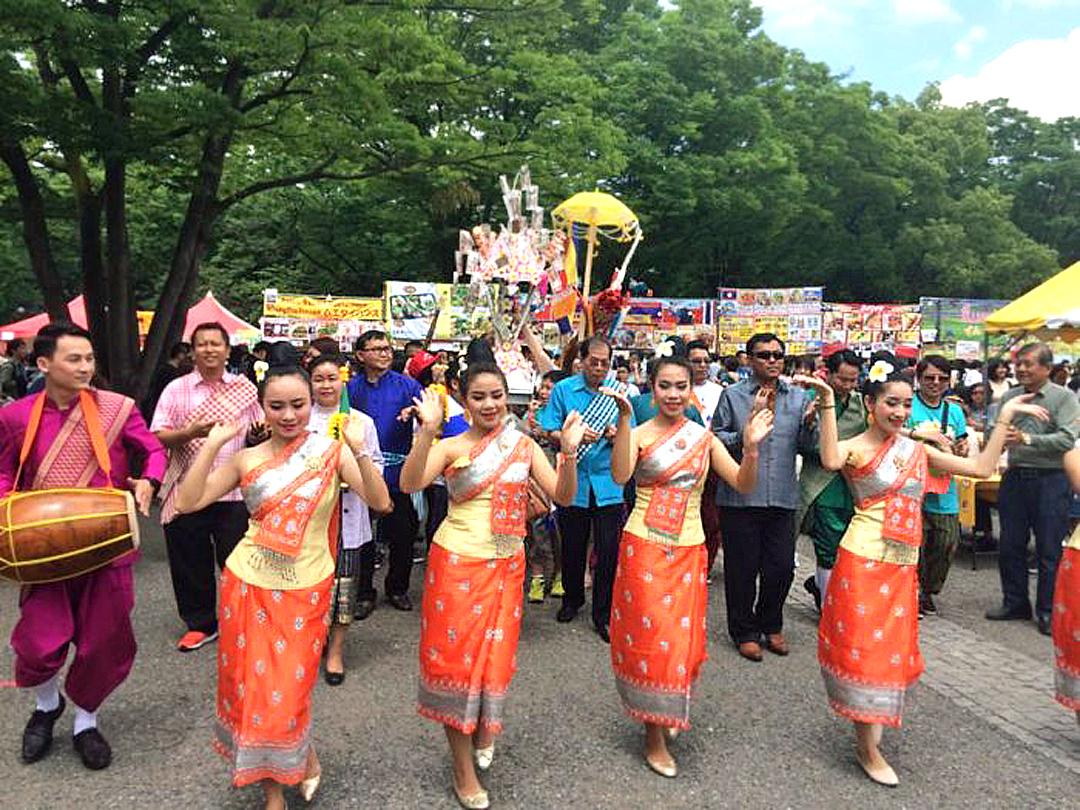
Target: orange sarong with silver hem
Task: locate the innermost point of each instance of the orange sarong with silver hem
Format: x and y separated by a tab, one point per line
659	598
269	651
1065	629
272	639
657	628
868	634
470	615
470	620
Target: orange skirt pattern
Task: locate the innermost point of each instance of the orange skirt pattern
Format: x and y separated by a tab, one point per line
268	661
470	621
658	629
1065	629
868	638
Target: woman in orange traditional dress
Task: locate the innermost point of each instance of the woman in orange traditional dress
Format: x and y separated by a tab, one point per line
659	599
1065	623
868	644
275	588
471	610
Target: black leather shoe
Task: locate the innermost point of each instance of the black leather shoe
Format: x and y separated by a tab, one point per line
1044	625
602	631
1004	614
93	749
364	608
37	737
334	678
566	614
399	601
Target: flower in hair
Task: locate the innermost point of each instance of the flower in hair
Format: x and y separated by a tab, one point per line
665	349
880	371
260	367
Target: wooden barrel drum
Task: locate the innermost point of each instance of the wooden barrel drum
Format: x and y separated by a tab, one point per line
55	534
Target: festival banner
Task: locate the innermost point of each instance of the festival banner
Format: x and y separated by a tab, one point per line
955	327
321	308
791	313
871	327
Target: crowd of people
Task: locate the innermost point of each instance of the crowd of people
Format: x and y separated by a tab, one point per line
288	477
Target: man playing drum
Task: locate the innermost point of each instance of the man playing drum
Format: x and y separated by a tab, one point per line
188	408
75	436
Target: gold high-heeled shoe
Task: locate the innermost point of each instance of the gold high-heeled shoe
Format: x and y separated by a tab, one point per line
485	756
309	786
477	801
668	771
882	774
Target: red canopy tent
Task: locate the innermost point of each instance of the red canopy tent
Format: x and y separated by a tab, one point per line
206	309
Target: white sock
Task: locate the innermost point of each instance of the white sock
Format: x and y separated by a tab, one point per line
821	577
84	720
48	695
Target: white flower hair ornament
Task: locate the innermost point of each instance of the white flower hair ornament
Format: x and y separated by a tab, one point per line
665	349
880	371
463	364
260	367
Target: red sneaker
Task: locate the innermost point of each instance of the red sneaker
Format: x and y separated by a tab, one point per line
193	639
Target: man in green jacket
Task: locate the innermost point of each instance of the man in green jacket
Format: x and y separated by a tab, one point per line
825	505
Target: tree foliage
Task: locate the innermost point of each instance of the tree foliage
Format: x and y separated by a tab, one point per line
152	150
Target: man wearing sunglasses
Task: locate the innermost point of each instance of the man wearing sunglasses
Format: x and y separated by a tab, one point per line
939	421
759	528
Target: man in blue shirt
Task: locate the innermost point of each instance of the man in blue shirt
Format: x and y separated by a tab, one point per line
941	422
599	501
759	528
387	397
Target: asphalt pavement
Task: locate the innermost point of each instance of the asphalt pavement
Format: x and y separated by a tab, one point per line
763	735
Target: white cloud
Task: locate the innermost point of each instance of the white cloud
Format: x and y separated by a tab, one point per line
1008	5
966	43
1037	75
916	12
801	14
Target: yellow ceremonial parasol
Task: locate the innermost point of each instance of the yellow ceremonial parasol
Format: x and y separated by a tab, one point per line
604	215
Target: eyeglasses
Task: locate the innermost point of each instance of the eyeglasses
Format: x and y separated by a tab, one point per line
769	355
934	378
378	349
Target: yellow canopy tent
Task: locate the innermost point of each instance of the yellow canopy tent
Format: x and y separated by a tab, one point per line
1050	311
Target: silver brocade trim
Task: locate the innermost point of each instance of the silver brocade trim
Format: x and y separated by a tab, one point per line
1067	685
485	465
467	708
273	481
653	467
637	699
876	701
272	756
897	459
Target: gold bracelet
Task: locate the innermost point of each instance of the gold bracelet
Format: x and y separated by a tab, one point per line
827	407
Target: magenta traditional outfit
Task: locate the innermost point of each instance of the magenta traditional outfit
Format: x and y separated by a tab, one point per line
92	611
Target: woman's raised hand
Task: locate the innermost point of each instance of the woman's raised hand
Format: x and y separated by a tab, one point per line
573	430
621	400
1023	405
429	409
757	428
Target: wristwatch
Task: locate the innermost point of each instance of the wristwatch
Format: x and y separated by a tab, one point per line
1025	438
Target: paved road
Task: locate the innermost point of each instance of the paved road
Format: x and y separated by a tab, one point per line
982	732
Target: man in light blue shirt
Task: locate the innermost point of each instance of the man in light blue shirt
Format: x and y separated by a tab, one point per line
598	504
942	422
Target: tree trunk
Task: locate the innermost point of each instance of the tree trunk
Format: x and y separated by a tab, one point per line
169	318
121	323
36	231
